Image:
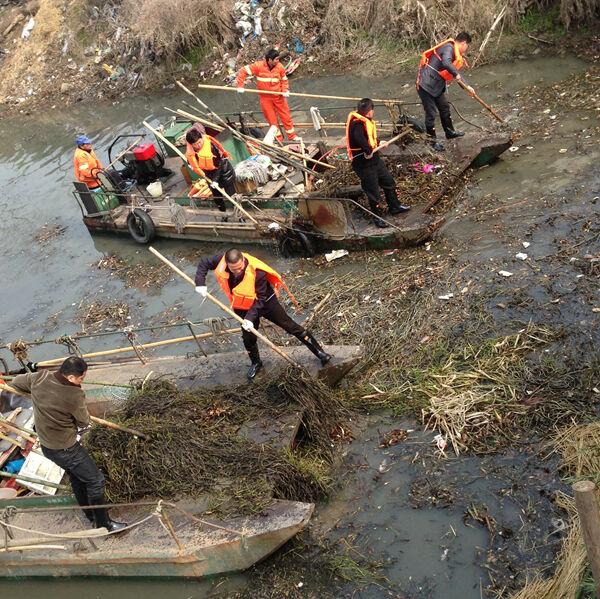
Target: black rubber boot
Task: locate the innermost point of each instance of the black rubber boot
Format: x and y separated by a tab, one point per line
377	220
436	145
314	347
103	519
256	362
399	209
451	134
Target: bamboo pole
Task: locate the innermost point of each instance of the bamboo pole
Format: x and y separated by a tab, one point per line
94	419
210	183
296	94
246	138
10	378
589	516
486	106
225	308
21	446
253	140
123	350
17	430
137	139
39	481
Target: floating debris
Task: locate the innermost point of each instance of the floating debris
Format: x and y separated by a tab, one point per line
48	232
101	315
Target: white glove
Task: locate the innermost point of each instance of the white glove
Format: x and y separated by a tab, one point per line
286	94
202	290
247	325
213	184
240	90
470	90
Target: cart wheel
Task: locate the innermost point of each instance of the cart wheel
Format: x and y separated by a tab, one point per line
295	243
140	226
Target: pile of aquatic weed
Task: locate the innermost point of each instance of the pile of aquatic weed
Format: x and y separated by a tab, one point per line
197	444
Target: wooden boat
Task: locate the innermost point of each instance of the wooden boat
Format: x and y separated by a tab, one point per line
294	220
166	543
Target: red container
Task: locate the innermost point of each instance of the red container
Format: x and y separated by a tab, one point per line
144	152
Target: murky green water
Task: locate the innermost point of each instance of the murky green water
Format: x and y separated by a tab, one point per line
43	280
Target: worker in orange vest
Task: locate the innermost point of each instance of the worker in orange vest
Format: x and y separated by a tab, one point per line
209	159
252	287
361	140
270	76
86	164
438	66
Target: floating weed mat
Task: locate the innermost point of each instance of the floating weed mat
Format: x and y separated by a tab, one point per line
473	393
96	316
143	276
572	561
198	446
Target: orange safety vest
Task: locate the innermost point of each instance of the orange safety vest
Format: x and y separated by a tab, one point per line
204	159
458	61
243	295
370	129
272	80
86	165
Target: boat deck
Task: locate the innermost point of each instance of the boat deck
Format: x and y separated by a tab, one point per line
195	549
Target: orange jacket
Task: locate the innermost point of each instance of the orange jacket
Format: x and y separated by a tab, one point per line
272	80
243	295
370	129
204	159
458	61
86	165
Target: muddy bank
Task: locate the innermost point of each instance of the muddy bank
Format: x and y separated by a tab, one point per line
60	52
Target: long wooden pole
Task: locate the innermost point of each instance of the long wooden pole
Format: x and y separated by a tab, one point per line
160	136
253	140
247	138
589	516
100	421
137	139
123	350
484	104
296	94
223	307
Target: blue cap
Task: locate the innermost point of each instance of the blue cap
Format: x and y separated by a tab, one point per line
82	139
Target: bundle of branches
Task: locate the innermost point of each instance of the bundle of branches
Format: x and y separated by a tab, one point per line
196	446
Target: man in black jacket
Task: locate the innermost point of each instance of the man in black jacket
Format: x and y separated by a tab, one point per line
438	66
251	286
361	141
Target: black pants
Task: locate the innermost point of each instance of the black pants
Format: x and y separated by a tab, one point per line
274	312
87	481
225	177
432	105
374	174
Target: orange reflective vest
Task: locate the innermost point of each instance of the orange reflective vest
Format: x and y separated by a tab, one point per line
243	295
86	165
458	61
272	80
370	129
204	159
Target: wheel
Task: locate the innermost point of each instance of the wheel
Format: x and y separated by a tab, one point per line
140	226
297	242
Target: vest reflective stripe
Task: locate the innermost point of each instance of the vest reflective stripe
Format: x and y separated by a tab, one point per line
274	80
268	79
458	61
370	130
243	295
247	67
85	165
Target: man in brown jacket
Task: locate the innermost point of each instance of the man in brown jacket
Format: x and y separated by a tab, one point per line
60	414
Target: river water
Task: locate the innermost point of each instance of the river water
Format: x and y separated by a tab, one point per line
43	284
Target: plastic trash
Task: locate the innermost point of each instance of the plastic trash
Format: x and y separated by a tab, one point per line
525	244
14	466
28	29
298	45
521	255
155	189
505	273
335	254
513	148
447	296
441	443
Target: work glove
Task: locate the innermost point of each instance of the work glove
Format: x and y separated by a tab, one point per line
240	90
247	325
470	90
286	94
369	156
202	290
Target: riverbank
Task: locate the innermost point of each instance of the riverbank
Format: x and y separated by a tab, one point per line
63	52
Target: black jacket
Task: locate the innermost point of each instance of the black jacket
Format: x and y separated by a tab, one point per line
358	139
430	79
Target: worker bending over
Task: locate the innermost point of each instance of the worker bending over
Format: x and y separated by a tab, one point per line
60	415
361	140
86	164
252	287
438	66
209	159
270	76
